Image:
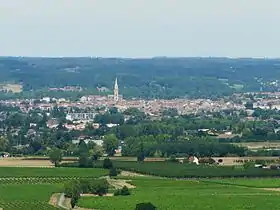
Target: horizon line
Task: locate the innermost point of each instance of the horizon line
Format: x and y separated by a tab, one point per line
142	57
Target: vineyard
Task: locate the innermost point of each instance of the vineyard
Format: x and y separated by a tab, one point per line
51	172
31	188
177	170
168	194
254	182
25	196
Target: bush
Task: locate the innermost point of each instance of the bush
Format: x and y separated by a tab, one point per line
172	158
113	172
145	206
71	188
94	186
123	192
107	163
273	167
207	161
101	187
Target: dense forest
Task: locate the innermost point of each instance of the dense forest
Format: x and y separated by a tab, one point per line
147	78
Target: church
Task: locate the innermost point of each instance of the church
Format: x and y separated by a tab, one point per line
116	97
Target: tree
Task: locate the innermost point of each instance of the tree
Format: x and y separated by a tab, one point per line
3	143
96	152
113	172
83	154
145	206
141	155
110	144
249	105
55	156
107	163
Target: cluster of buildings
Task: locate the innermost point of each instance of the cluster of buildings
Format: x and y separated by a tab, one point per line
152	107
89	104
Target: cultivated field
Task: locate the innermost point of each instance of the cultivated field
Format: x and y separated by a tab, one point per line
19	162
27	197
259	145
32	188
177	170
51	172
182	194
14	88
37	188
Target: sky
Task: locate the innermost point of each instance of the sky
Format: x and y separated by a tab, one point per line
140	28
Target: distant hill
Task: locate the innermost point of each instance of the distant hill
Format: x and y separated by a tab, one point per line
149	78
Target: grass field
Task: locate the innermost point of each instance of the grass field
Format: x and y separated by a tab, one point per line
183	194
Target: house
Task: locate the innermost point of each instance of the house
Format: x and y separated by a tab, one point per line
96	141
52	123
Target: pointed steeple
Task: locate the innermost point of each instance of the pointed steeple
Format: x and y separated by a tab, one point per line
116	83
116	90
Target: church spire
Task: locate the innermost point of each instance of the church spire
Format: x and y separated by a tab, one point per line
116	90
116	83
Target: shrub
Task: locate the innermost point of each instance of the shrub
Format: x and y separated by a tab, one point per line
100	187
71	188
249	164
113	172
207	161
107	163
123	192
94	186
145	206
172	158
273	167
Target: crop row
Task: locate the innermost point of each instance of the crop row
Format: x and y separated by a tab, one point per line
51	172
37	180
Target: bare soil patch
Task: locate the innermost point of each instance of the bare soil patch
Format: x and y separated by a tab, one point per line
119	183
131	174
19	162
54	199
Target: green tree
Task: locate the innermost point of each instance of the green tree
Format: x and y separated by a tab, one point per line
113	172
107	163
83	154
3	143
55	157
110	144
96	152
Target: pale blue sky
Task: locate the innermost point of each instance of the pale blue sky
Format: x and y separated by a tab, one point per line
140	28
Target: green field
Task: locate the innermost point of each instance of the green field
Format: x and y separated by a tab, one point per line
27	197
31	188
182	194
177	170
256	182
51	172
